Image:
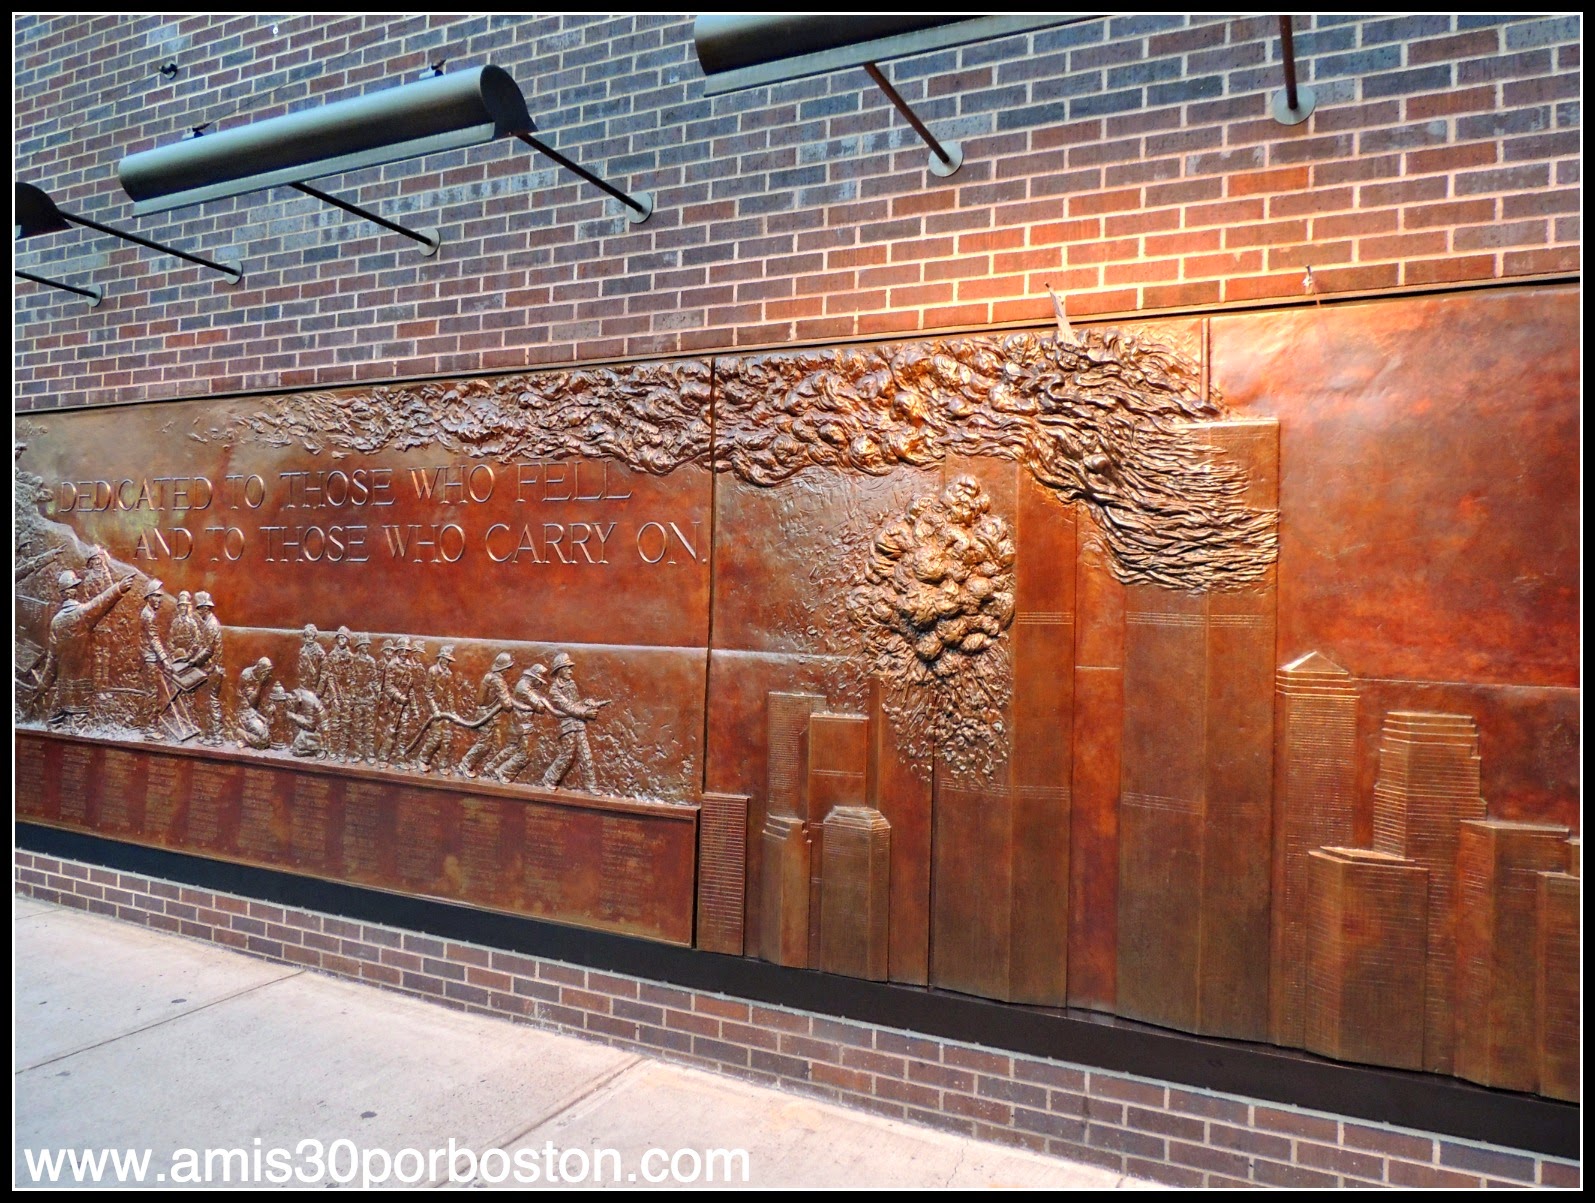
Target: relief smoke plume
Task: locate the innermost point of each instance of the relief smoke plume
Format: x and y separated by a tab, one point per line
935	600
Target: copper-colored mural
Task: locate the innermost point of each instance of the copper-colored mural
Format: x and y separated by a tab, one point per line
1009	665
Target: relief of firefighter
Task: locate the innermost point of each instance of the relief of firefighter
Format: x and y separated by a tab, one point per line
106	650
393	710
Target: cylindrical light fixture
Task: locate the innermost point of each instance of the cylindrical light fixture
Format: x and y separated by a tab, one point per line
446	112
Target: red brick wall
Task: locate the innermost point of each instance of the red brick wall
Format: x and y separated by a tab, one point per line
1130	162
1149	1129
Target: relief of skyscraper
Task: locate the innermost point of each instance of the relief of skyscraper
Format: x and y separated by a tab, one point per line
1000	907
1196	800
847	889
1364	938
1428	785
784	887
722	875
854	900
1499	865
1558	1018
1315	770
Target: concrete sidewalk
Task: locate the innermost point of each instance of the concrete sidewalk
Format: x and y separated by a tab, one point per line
127	1039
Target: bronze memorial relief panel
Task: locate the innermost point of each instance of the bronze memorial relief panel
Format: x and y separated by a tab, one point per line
403	583
896	540
1427	710
1221	674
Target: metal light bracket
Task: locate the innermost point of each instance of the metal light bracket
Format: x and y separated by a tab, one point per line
1294	104
640	207
94	292
36	213
945	157
428	236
